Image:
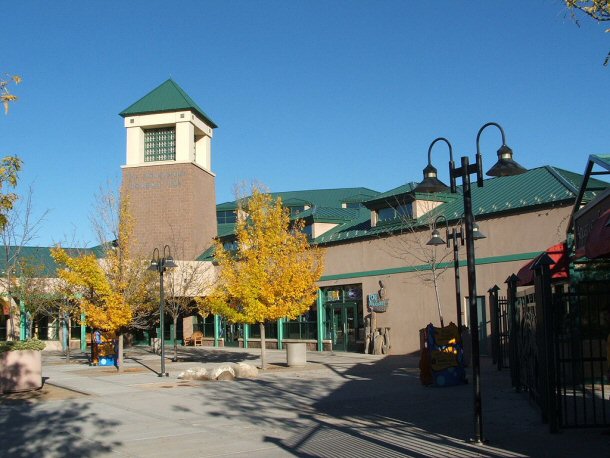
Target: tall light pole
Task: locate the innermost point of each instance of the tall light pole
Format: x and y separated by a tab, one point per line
452	239
505	166
160	264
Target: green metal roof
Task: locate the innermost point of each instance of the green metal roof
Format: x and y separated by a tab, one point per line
543	186
329	198
328	214
38	258
165	98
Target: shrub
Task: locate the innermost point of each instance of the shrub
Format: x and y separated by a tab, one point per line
13	345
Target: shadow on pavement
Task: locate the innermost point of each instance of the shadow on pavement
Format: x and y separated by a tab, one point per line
381	409
53	429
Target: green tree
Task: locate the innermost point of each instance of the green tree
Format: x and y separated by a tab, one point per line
274	272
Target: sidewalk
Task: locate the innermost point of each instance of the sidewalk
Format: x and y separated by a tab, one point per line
340	404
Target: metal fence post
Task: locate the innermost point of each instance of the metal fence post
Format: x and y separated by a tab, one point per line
496	351
513	322
544	332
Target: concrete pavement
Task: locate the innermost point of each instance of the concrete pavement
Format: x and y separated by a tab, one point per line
338	405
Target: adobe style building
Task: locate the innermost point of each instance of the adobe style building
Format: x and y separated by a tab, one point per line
379	271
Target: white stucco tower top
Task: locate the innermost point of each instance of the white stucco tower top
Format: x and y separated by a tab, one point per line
167	126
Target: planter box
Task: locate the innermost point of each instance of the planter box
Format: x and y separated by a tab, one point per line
20	370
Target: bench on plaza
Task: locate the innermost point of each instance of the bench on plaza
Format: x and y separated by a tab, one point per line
196	339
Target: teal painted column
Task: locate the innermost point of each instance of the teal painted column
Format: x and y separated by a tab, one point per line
22	321
83	332
246	334
280	333
216	330
66	332
320	306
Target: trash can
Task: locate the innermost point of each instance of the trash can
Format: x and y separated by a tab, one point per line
296	354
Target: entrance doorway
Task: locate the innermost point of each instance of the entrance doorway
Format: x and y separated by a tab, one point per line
343	320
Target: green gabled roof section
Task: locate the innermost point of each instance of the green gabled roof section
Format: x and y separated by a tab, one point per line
542	186
165	98
328	214
38	259
225	229
207	255
329	198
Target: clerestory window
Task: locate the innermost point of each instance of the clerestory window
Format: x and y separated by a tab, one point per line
160	144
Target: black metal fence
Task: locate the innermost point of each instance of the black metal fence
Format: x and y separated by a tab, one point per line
557	347
582	327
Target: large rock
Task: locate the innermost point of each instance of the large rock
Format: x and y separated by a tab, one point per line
243	370
225	375
214	373
199	373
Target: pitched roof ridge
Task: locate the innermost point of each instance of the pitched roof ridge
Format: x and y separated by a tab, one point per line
556	173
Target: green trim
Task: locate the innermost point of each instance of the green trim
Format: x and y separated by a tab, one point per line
280	334
216	329
83	333
246	334
423	267
320	311
22	321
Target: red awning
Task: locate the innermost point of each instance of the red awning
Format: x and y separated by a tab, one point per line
560	270
598	241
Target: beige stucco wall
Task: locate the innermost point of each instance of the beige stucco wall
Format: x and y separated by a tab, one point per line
412	299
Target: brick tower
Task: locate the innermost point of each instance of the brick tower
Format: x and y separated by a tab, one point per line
168	175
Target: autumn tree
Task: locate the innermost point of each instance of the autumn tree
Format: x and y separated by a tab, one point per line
599	10
6	96
274	272
110	287
113	225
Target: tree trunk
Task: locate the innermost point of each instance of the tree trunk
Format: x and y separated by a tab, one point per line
65	327
175	358
119	361
263	345
438	300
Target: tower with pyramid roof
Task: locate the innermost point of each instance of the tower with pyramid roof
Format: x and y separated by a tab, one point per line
168	173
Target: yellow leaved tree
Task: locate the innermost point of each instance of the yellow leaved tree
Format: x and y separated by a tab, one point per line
109	288
274	272
6	97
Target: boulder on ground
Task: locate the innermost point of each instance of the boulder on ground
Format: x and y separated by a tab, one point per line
243	370
225	375
214	373
199	373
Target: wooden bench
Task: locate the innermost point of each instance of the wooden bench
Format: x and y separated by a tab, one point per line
196	339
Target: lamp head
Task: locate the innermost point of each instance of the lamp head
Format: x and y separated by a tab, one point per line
154	265
436	239
476	233
169	263
431	183
505	166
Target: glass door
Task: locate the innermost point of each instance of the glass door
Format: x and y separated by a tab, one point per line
343	320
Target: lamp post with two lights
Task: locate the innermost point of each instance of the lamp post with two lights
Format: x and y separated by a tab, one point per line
452	239
505	166
160	264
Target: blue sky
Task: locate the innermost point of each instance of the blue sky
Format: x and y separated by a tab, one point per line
307	94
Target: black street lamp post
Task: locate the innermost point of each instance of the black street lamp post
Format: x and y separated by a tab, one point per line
452	239
160	264
505	166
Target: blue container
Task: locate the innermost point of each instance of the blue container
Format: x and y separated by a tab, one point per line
107	360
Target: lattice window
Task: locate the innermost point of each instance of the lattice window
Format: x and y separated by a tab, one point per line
160	144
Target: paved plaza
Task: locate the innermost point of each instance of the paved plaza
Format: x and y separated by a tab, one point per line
339	405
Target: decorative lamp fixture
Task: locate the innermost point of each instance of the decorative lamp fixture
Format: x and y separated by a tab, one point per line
436	239
431	183
476	232
505	166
